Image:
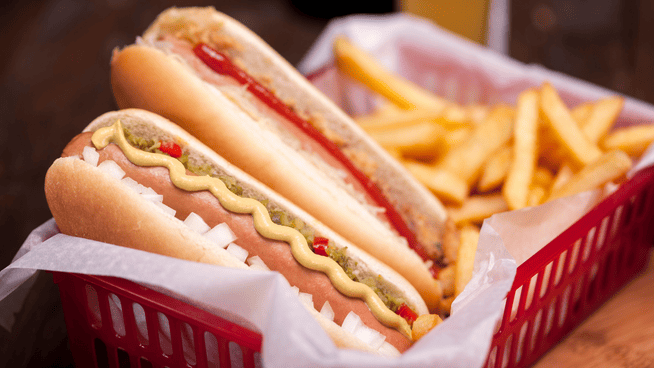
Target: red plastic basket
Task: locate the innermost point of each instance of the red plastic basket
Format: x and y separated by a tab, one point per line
568	279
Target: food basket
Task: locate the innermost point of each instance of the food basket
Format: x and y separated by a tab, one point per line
553	291
575	273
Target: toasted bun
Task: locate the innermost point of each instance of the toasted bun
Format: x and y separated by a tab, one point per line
88	189
148	76
75	192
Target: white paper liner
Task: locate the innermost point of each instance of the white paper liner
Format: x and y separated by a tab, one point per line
264	301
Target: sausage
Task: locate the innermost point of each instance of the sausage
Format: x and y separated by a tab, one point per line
275	254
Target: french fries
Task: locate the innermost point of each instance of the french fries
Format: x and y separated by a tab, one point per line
477	208
521	170
466	257
467	159
495	169
565	128
442	182
416	141
424	324
632	140
608	167
484	159
362	67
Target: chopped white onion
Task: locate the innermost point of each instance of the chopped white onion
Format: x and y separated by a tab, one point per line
351	322
138	187
165	208
221	234
153	197
306	299
133	184
370	336
195	222
147	190
110	167
257	263
149	194
327	311
238	252
90	155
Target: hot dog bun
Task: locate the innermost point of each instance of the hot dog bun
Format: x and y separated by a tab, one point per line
161	74
88	202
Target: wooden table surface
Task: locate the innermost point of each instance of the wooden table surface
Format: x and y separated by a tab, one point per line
619	334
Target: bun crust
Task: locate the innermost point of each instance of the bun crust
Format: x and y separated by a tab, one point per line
146	77
76	190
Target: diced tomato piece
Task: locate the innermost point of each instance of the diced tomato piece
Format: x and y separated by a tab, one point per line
320	245
171	148
407	313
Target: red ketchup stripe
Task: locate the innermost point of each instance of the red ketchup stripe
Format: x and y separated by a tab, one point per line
221	64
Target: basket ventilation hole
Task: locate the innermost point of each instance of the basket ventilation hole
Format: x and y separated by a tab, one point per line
101	356
507	351
188	343
492	358
144	363
235	354
521	342
123	359
164	334
538	325
93	306
141	324
211	348
116	310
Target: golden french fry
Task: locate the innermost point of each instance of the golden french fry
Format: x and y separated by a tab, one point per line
454	116
565	128
446	278
466	257
360	66
445	304
542	177
445	185
423	324
551	153
396	119
467	159
477	113
609	166
581	112
386	108
525	153
562	176
495	169
455	137
536	196
633	140
602	118
420	141
477	208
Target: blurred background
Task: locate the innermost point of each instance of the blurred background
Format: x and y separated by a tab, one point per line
55	80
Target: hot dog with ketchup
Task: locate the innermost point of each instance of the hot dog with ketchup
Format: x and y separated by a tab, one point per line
135	179
227	87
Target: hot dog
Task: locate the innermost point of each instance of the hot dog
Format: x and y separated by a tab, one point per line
135	179
227	87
